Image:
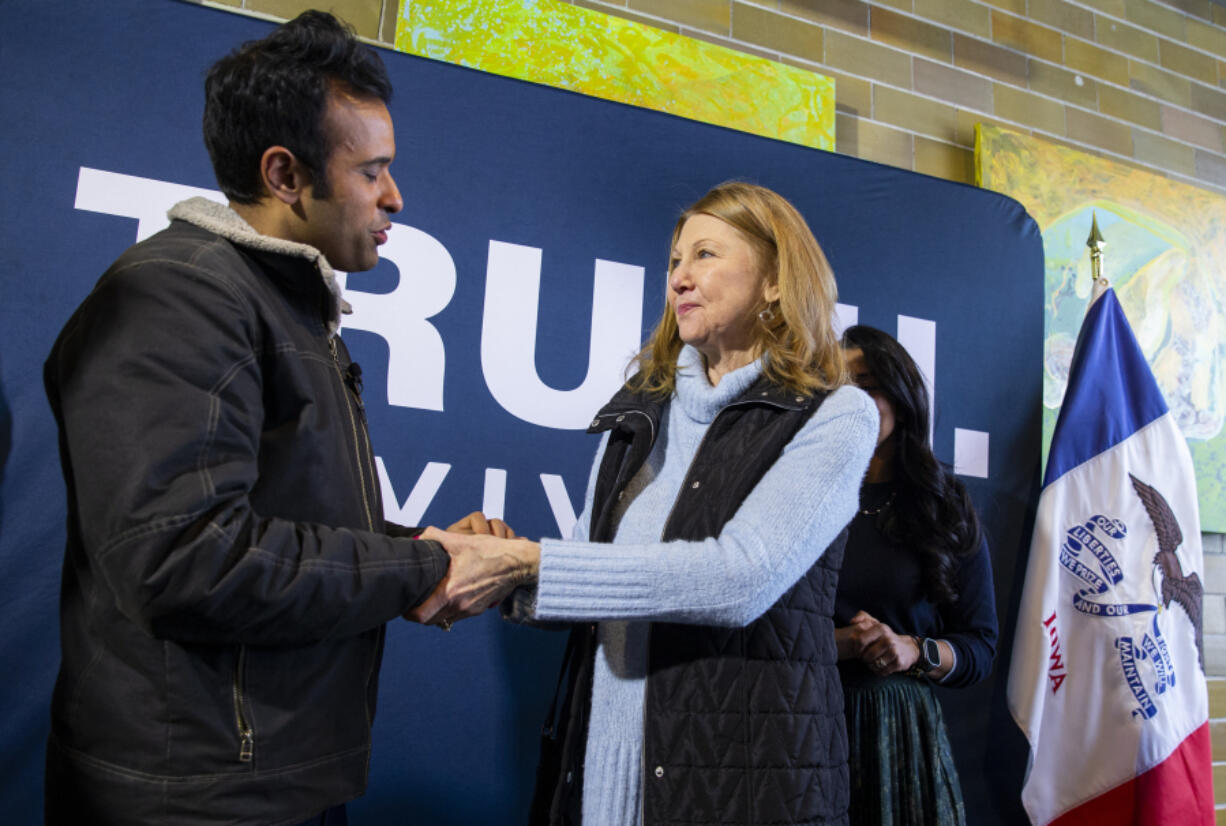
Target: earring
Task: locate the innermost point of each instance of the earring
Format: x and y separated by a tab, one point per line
767	315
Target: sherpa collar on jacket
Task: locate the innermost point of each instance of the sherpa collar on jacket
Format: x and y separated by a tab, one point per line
220	220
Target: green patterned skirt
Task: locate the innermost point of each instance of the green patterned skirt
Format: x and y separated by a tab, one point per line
902	769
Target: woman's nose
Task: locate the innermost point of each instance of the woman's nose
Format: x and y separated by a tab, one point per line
679	278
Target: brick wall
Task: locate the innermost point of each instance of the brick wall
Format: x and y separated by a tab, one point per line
1134	80
372	19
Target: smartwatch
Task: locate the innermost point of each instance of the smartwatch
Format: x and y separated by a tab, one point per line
929	657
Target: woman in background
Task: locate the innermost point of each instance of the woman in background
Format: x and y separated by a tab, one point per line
915	604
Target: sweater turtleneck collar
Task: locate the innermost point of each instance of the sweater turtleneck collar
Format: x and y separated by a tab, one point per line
700	401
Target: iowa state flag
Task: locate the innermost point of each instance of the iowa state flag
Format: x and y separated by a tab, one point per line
1107	680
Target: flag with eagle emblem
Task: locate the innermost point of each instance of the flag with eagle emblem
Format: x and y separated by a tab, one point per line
1107	680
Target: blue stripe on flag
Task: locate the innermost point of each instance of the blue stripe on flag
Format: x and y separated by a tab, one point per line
1111	392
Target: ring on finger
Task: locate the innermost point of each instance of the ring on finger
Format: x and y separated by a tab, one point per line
445	624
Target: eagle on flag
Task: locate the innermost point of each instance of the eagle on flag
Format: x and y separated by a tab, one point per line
1185	590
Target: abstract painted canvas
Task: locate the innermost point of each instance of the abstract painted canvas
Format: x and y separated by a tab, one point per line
1165	255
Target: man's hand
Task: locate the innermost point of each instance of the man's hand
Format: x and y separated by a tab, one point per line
484	569
476	523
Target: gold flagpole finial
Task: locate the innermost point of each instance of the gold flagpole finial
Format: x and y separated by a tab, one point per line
1096	243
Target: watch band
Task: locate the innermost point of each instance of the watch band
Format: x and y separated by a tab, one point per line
929	656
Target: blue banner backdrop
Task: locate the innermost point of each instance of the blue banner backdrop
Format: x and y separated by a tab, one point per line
536	222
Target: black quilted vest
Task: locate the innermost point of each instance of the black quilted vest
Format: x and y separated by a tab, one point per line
743	725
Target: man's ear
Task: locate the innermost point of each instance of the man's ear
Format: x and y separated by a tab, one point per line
283	174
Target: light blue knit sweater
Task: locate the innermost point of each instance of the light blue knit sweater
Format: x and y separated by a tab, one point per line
793	513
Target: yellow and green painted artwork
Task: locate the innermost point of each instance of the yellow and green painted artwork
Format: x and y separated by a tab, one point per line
586	51
1165	255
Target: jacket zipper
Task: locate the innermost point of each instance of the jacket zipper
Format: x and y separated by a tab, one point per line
364	463
246	737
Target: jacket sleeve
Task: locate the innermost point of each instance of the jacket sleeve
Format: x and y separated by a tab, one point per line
796	510
969	624
158	392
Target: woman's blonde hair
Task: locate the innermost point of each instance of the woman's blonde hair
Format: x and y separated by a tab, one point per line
796	333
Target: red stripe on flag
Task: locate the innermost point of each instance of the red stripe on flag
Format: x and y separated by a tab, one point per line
1177	790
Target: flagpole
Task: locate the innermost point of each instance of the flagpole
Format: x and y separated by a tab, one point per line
1098	283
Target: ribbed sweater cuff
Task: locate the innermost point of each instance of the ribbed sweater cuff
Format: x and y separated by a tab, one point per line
581	581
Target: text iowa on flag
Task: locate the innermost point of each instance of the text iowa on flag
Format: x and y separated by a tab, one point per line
1107	679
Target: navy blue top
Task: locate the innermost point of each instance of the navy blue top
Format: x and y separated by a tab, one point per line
887	581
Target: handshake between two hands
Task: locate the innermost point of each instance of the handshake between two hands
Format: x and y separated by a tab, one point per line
488	561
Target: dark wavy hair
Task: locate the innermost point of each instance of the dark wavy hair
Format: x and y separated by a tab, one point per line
931	512
274	92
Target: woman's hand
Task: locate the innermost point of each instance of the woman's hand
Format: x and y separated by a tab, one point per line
876	645
483	570
847	640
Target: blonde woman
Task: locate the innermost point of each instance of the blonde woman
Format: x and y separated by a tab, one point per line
701	680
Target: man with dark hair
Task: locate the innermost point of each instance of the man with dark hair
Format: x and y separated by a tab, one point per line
274	92
228	572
